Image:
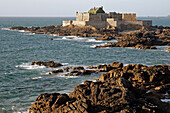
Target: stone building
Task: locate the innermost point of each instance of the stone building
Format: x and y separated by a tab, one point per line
97	18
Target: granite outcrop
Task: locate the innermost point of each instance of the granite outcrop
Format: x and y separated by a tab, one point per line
122	89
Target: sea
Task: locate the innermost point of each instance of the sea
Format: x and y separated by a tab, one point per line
21	83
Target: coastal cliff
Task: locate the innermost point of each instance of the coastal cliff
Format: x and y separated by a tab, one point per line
122	89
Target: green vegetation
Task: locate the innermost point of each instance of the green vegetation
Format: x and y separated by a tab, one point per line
99	10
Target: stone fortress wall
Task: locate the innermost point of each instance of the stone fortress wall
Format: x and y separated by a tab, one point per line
104	20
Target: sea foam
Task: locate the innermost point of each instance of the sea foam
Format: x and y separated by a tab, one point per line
29	66
34	78
5	29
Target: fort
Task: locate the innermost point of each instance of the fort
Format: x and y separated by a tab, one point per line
97	18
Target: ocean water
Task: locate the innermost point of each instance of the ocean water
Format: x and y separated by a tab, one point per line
21	83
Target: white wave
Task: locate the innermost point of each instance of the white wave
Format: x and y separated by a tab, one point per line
29	33
29	66
34	78
64	64
94	40
162	48
5	29
67	77
165	100
21	30
3	109
80	39
93	46
113	41
53	34
64	38
21	112
71	36
83	39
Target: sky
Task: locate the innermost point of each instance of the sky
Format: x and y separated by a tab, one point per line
68	8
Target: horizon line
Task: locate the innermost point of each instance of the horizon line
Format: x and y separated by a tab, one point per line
62	16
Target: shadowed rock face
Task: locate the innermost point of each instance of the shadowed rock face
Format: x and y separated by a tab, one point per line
132	88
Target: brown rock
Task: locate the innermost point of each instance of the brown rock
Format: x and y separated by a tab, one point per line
57	71
134	88
48	64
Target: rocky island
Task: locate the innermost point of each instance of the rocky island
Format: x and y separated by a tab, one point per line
124	27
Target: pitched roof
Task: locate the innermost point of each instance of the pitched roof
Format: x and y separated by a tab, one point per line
95	10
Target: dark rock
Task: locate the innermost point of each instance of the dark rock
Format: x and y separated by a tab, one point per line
49	64
78	68
57	71
106	38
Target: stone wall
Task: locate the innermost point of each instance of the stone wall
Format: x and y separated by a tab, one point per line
129	25
97	24
129	22
111	22
82	16
116	16
67	22
129	17
79	23
98	17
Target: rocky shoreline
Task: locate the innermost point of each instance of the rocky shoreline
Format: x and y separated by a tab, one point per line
84	31
145	38
132	88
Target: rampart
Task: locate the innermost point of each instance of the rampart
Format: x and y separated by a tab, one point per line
104	20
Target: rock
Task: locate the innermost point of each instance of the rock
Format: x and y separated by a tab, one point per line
49	64
82	31
168	49
51	39
140	46
78	68
106	38
144	39
117	65
66	69
132	88
87	72
91	67
48	102
57	71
